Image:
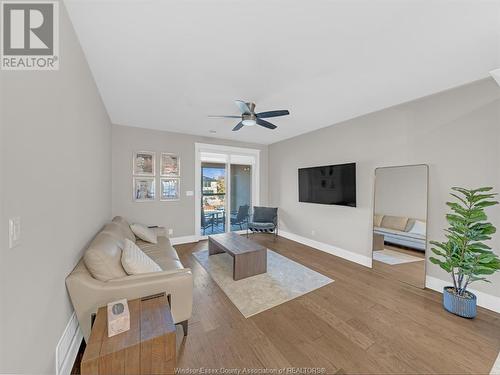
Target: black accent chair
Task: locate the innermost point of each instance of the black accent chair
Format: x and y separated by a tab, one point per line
241	216
264	220
206	223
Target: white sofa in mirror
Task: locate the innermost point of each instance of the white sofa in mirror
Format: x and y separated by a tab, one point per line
400	222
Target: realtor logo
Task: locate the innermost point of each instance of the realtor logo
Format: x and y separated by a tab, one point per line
30	35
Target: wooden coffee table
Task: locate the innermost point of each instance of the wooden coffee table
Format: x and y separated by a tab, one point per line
147	348
249	258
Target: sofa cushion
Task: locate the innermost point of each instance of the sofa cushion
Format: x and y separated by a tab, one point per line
418	227
162	248
394	222
116	231
397	233
161	257
409	224
135	261
377	220
144	233
162	253
125	227
103	258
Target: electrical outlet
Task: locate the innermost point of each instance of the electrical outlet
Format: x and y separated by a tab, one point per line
14	232
170	231
313	232
189	193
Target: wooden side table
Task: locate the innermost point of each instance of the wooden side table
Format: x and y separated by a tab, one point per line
147	348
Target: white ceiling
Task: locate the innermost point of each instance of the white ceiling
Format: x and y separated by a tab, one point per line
168	64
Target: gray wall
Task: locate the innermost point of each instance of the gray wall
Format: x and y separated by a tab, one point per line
456	132
178	215
402	192
55	170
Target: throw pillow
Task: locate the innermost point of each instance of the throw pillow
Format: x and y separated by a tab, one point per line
377	220
135	261
419	228
144	233
394	222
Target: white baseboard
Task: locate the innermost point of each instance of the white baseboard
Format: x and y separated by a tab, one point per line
184	239
330	249
67	347
483	299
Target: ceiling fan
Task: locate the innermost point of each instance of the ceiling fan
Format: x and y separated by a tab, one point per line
250	118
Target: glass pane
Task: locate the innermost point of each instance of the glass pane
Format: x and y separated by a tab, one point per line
241	195
213	198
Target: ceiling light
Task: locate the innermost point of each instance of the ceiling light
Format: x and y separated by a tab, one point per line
249	122
496	74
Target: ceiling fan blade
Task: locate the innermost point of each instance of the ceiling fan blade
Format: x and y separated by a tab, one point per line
222	116
238	127
268	114
265	124
243	107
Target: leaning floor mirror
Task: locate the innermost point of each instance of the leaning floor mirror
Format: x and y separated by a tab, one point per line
400	223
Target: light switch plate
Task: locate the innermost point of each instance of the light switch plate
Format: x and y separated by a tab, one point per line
170	232
189	193
14	232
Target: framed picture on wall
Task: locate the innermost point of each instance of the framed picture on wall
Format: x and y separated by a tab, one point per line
169	189
144	163
169	165
144	189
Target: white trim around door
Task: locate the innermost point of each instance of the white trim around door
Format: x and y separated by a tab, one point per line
230	155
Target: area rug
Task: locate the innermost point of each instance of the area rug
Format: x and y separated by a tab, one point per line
284	280
394	257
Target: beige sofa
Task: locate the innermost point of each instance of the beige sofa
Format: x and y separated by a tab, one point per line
99	277
399	230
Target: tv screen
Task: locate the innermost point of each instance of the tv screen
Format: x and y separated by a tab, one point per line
331	184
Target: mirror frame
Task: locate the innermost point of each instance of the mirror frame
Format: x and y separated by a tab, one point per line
426	213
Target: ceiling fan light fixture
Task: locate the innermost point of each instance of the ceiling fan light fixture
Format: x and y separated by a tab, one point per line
250	118
249	122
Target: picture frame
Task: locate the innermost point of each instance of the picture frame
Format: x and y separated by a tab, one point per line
144	189
170	189
144	163
169	165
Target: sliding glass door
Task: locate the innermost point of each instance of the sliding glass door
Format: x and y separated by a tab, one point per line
227	187
213	198
241	195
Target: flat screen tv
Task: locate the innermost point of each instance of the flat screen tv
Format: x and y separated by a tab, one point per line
330	184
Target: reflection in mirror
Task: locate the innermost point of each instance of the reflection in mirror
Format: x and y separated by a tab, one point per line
400	223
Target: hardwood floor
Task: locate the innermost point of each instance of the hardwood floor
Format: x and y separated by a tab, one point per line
364	322
411	273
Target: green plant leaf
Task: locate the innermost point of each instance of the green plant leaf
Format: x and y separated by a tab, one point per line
480	197
481	189
460	199
465	252
438	252
485	204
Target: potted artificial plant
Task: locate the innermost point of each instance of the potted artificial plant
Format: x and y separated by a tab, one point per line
465	255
